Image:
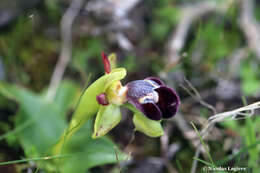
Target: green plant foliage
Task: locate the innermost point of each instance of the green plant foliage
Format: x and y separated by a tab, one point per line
169	13
27	55
44	127
130	63
257	13
250	78
89	152
250	137
159	30
165	16
10	138
219	43
88	50
39	125
67	95
248	134
54	12
35	130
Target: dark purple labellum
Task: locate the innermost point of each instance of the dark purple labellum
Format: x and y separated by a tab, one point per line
102	99
153	98
156	80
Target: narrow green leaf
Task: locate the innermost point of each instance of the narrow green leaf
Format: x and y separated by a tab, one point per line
204	162
250	137
203	143
243	150
107	118
33	159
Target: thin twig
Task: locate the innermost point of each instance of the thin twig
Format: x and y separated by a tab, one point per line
66	46
195	163
235	60
130	141
165	147
240	113
196	96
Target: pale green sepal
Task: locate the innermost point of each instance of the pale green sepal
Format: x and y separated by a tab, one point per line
115	75
147	126
88	106
107	118
112	59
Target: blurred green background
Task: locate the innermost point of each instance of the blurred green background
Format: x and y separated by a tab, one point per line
211	43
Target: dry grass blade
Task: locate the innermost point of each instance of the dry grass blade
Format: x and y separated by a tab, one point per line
240	113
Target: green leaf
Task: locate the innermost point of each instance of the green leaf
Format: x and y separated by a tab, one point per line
67	95
86	51
169	14
89	152
250	87
88	106
250	136
44	125
250	78
159	30
147	126
107	118
41	126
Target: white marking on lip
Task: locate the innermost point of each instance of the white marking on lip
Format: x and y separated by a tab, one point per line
154	84
151	97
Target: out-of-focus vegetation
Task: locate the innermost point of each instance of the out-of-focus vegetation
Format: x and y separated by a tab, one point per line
217	58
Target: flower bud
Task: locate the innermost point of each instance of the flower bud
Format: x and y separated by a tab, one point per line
106	63
102	99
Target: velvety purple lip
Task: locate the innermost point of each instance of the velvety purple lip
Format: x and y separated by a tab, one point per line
153	98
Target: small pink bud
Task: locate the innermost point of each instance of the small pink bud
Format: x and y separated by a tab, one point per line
102	99
106	63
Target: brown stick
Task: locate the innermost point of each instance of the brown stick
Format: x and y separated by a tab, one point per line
66	46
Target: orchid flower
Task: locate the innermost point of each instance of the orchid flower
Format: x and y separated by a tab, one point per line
150	100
